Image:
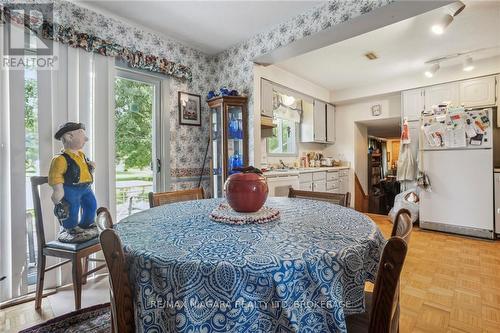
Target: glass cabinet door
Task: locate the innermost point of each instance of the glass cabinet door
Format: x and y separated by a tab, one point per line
217	136
235	138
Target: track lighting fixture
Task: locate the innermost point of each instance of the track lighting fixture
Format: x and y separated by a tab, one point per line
451	11
432	70
468	64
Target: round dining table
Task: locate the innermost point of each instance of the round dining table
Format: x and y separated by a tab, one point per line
303	272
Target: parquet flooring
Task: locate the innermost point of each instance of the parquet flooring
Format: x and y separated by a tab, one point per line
449	284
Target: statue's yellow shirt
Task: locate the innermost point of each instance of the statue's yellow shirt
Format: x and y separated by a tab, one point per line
59	166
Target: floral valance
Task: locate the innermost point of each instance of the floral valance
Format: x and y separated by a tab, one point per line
90	43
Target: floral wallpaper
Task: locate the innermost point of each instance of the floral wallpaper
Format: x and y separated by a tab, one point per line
232	68
187	143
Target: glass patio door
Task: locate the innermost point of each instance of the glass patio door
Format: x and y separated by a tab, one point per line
137	141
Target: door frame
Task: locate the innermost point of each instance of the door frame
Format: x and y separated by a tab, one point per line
160	147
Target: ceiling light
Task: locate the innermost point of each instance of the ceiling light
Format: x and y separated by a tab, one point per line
288	100
456	8
432	70
439	27
452	10
468	64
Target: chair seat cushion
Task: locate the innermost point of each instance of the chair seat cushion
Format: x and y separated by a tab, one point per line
72	246
358	323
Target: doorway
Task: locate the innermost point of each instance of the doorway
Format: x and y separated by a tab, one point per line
381	140
137	141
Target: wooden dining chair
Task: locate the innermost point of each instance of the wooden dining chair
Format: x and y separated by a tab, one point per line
336	198
382	315
122	305
402	225
72	252
163	198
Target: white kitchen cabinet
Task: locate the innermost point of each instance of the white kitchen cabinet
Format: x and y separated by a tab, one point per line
306	186
313	124
319	121
319	186
343	184
478	92
321	175
266	98
330	123
413	103
435	95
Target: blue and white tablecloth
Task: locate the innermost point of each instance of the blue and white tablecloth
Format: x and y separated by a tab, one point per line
301	273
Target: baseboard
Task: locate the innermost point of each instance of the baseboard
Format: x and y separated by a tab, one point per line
455	229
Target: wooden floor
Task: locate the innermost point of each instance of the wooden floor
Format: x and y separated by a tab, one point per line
449	284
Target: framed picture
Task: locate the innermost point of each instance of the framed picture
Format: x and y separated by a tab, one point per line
376	110
189	109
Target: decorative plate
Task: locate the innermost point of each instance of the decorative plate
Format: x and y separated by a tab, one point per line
225	214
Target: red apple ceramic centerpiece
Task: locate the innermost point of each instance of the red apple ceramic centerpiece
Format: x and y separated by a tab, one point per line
246	191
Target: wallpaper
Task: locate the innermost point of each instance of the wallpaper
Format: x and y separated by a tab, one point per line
232	68
187	143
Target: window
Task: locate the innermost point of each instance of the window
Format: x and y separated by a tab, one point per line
284	139
287	110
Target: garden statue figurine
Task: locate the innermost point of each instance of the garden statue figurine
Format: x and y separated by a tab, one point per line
70	176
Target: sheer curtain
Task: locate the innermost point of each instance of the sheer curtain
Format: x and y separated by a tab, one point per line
79	90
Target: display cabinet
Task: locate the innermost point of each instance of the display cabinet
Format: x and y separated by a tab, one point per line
228	139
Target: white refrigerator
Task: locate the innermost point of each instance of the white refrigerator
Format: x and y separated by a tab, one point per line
460	171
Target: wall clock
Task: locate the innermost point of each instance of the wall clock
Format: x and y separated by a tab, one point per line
376	110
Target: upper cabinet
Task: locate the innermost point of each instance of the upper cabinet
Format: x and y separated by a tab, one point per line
319	121
413	104
266	100
330	123
435	95
478	92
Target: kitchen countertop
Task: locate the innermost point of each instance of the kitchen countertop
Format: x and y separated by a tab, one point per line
293	172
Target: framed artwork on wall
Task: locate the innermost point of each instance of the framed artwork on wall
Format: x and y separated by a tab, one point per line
189	109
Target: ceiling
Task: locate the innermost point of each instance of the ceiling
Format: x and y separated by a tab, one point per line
384	128
209	26
402	48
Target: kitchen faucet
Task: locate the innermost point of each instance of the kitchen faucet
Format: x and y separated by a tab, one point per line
283	165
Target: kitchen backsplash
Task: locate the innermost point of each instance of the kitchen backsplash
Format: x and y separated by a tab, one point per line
290	160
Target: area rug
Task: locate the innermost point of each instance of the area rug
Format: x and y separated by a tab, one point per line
95	319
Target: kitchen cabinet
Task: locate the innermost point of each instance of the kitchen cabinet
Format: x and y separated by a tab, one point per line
266	98
478	92
435	95
330	123
337	181
319	186
413	103
319	121
306	186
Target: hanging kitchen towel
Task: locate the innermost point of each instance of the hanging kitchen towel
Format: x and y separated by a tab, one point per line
406	164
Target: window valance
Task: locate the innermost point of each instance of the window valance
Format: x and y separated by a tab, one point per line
90	43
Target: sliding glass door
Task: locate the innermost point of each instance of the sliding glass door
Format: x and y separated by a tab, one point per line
137	141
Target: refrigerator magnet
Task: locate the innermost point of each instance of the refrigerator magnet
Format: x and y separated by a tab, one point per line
477	140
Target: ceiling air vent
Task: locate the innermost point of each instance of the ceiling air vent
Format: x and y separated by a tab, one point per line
371	56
